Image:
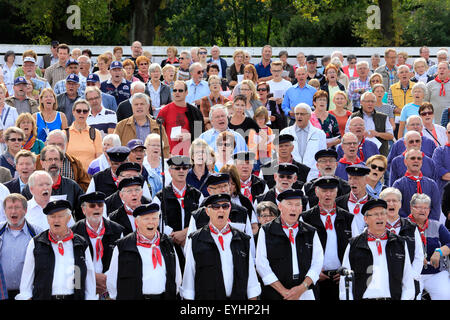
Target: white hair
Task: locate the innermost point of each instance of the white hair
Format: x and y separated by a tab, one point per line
410	118
153	67
217	107
362	62
304	106
420	198
408	134
114	138
195	65
389	191
140	95
349	134
58	132
365	94
136	84
421	86
37	174
88	60
442	53
403	66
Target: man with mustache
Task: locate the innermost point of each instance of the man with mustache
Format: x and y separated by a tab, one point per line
15	234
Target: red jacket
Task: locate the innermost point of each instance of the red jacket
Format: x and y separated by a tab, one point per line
355	74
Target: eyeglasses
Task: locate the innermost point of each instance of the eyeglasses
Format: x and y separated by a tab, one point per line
421	208
93	205
267	216
143	64
415	158
180	58
302	114
135	190
375	167
287	176
94	98
84	111
427	113
200	72
16	139
178	90
217	206
350	143
261	89
178	168
414	141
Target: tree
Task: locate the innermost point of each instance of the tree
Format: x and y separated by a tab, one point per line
143	21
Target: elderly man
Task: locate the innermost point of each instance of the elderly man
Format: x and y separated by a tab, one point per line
289	255
307	139
219	265
124	109
311	68
251	185
183	122
379	259
412	141
108	101
414	182
58	264
388	70
350	148
442	56
66	100
140	124
57	71
218	115
99	117
102	234
335	227
19	100
25	161
301	92
197	88
217	59
15	234
414	123
71	67
182	73
101	163
359	86
424	52
441	156
144	265
84	66
29	70
326	163
366	148
438	91
117	86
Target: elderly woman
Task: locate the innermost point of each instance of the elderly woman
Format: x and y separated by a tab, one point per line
249	74
277	117
342	77
225	144
323	120
435	237
143	63
236	68
8	116
239	121
26	122
266	211
380	106
248	89
431	130
171	57
128	67
214	98
301	60
84	143
288	70
375	79
14	138
103	67
9	68
402	57
168	73
332	85
48	119
340	112
419	91
160	94
247	58
374	180
420	71
101	163
153	165
199	153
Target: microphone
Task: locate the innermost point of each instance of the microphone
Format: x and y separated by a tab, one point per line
344	271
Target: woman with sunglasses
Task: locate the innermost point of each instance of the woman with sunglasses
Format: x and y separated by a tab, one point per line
418	91
202	58
225	148
48	119
14	138
277	117
374	179
433	131
143	63
83	143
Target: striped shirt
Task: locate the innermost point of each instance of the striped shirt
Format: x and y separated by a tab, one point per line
54	73
104	120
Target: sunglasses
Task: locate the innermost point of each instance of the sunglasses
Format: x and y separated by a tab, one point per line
178	168
427	113
93	205
261	89
287	176
178	90
202	52
217	206
375	167
199	72
16	139
79	111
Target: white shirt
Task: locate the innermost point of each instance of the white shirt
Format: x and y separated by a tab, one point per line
63	275
370	125
379	283
226	259
268	276
330	259
4	192
282	85
358	219
36	216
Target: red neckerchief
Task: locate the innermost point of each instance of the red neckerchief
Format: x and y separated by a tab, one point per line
94	234
129	212
154	244
448	144
57	184
291	230
417	180
392	228
371	237
421	230
328	223
144	76
60	242
114	177
345	161
246	186
352	199
224	231
180	196
442	82
29	144
360	149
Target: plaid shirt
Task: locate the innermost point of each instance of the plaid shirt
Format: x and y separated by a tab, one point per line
60	87
355	85
3	290
66	170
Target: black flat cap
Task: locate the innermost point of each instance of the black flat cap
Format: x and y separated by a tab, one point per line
217	198
286	168
118	154
326	182
134	181
93	197
128	166
373	203
290	194
217	178
57	205
283	138
244	155
146	209
179	161
357	170
326	153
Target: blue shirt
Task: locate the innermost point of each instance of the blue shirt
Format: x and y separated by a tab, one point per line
109	102
60	87
295	95
121	93
263	71
196	91
211	135
193	181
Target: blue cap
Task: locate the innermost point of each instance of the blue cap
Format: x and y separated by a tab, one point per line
115	65
73	78
20	80
93	78
135	143
71	61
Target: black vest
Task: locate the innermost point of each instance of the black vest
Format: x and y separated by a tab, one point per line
129	275
407	231
247	204
361	262
120	216
44	261
342	201
104	182
113	232
209	283
343	188
113	202
279	255
238	214
342	225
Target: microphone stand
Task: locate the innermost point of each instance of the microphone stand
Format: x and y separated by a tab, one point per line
348	277
163	200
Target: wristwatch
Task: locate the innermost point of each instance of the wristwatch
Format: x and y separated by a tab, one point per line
305	285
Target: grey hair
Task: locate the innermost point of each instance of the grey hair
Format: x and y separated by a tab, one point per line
442	52
410	133
349	134
115	139
410	118
80	101
391	190
419	85
267	205
37	174
365	94
140	96
418	60
217	107
154	66
195	65
58	132
88	60
420	198
301	67
137	83
303	105
375	55
361	63
403	66
187	53
150	137
336	61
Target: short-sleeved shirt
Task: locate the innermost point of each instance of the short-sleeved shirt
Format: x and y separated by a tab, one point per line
121	93
82	147
263	71
174	116
104	120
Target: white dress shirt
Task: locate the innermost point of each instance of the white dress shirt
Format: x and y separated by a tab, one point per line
36	216
330	259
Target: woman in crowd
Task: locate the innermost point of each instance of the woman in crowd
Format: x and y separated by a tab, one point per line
322	119
375	79
277	117
14	138
214	98
249	74
48	119
342	77
289	75
433	131
340	112
103	67
128	67
202	58
171	57
153	165
419	91
225	145
8	116
402	57
143	63
247	58
101	163
236	68
26	122
160	94
332	85
248	89
377	165
380	92
420	71
240	121
9	68
261	143
196	176
168	72
301	60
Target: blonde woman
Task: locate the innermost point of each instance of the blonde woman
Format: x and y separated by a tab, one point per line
26	122
237	68
248	89
340	112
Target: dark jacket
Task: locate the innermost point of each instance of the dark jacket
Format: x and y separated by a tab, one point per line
13	185
343	189
327	90
342	201
269	168
120	217
113	202
223	66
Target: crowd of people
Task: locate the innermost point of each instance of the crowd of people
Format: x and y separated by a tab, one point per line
197	180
